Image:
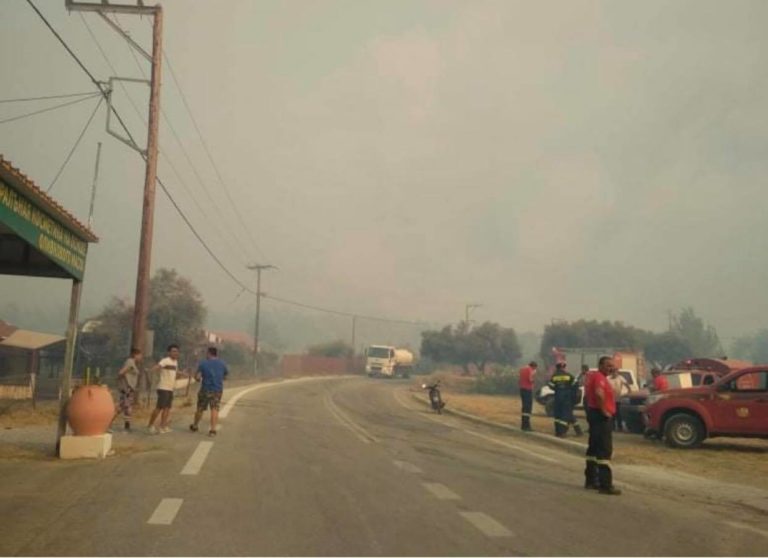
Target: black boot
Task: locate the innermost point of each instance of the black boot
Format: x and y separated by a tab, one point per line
605	476
526	424
590	475
577	430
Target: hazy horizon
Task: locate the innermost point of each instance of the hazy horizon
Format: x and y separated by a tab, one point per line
549	160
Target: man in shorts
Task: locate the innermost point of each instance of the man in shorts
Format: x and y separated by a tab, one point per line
127	382
167	369
212	371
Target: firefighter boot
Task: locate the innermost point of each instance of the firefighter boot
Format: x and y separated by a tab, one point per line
605	476
590	474
577	429
526	423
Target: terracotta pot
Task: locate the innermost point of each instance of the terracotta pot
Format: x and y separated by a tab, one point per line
90	410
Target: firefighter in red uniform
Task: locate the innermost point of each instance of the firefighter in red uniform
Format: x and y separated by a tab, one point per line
601	407
525	384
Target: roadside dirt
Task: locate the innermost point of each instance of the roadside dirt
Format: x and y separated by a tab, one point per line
736	460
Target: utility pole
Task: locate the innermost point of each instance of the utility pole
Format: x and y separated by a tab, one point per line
93	187
354	328
467	308
258	268
141	306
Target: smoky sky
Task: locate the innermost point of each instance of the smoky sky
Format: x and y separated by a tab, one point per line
549	160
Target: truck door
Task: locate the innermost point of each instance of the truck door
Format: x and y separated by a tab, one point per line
742	408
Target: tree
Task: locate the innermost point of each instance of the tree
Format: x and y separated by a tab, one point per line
463	346
701	339
176	314
666	348
337	349
592	333
752	347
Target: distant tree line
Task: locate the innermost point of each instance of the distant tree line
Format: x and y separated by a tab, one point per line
688	336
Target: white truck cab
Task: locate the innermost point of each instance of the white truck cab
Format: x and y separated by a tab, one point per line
388	361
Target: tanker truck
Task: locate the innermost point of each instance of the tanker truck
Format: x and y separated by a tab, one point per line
388	362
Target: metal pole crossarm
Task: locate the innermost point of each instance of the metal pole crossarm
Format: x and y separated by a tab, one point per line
126	36
127	141
105	6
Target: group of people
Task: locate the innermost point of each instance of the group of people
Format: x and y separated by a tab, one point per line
212	371
602	389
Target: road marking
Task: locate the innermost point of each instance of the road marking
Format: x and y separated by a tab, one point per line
358	430
440	491
235	398
488	525
399	400
510	446
746	527
407	467
166	511
197	459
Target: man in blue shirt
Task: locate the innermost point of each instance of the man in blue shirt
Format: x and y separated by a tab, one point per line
212	371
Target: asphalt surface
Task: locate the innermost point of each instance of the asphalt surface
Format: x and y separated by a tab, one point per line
352	467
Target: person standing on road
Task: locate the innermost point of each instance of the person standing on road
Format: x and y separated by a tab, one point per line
562	383
525	384
620	388
167	368
212	371
601	407
127	382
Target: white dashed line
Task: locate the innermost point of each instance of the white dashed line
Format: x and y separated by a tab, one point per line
166	511
485	523
511	446
746	527
408	467
441	492
197	459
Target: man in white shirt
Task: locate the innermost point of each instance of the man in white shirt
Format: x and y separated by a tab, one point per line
167	369
127	383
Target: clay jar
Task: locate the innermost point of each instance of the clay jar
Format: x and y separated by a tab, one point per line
90	410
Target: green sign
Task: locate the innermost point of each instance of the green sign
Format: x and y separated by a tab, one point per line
41	231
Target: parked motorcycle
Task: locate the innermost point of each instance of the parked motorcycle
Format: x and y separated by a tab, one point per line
435	398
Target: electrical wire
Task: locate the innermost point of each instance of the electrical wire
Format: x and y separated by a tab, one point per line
45	97
186	220
210	157
77	142
48	109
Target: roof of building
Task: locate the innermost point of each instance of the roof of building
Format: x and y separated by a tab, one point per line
21	182
30	340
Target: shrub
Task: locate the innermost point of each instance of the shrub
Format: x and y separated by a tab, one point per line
502	381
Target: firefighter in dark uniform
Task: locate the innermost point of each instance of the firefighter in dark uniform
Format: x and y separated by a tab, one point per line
601	407
563	384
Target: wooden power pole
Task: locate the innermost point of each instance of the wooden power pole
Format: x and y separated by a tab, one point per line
258	268
150	154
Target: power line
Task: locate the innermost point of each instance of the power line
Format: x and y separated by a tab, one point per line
45	97
186	220
77	142
139	113
47	109
210	157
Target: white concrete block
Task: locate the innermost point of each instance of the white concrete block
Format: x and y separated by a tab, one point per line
85	447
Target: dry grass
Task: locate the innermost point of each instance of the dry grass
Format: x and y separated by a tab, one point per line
740	461
17	414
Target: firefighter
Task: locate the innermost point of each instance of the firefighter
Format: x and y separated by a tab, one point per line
601	407
525	383
562	383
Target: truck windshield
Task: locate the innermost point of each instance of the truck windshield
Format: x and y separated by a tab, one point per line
378	352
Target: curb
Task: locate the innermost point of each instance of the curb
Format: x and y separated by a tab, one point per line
569	445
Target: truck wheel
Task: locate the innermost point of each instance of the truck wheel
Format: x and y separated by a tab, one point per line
549	407
684	431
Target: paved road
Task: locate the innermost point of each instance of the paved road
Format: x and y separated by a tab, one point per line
350	467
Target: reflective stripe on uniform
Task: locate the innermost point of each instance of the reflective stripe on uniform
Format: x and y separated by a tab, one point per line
526	414
606	462
591	458
563	422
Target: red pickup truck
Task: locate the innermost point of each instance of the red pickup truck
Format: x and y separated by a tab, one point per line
736	405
